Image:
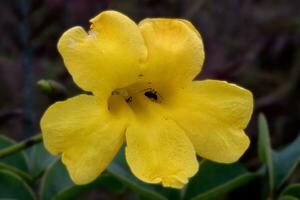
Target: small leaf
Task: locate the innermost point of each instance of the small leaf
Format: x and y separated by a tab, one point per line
121	171
104	181
13	187
214	179
264	148
17	162
292	190
57	185
285	161
39	160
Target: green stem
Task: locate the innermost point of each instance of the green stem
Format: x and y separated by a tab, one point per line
20	146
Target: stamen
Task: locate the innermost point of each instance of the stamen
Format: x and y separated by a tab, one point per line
129	99
123	93
153	95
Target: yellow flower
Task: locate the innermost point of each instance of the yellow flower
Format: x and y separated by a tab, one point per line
141	77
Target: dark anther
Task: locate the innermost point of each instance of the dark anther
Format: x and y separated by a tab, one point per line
128	100
152	95
141	75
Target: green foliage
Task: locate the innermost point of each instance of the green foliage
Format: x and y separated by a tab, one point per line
39	160
16	162
291	191
213	180
13	187
57	185
288	198
280	164
52	88
285	162
264	148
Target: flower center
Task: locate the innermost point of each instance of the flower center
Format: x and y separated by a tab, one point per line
134	96
127	94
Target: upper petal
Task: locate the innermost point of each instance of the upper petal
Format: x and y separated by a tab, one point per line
86	134
175	50
214	114
158	151
108	56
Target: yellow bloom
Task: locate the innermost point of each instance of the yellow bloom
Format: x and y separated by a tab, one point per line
143	94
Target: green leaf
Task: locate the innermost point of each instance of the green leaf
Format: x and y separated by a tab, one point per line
285	162
120	170
292	190
288	198
280	164
40	159
264	148
214	179
16	162
13	187
57	185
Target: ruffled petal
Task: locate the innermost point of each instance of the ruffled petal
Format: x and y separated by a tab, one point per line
214	114
108	56
175	51
87	135
158	151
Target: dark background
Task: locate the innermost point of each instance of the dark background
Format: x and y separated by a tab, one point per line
254	43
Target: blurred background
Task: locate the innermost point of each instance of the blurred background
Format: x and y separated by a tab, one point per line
254	43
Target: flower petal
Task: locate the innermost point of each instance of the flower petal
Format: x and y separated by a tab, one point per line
85	133
175	50
108	56
158	151
214	114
